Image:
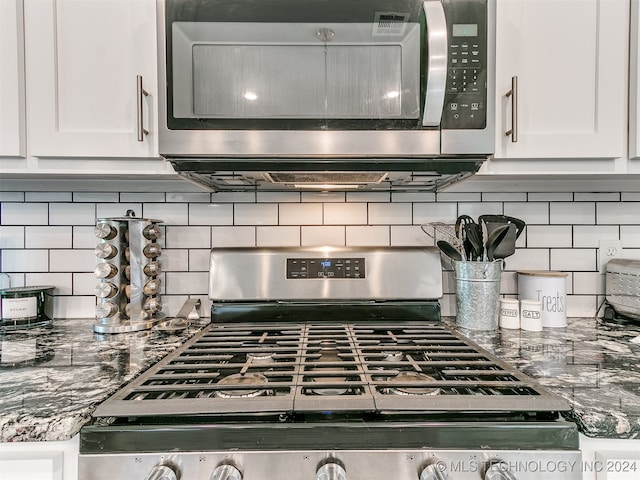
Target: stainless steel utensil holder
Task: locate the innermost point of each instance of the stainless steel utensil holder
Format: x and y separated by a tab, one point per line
128	272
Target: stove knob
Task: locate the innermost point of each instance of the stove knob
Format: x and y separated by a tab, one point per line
499	471
331	471
162	472
433	472
226	472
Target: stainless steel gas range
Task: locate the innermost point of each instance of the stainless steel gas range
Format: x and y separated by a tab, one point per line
329	364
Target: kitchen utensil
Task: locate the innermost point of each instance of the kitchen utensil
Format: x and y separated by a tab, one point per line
460	229
442	231
494	239
507	245
474	235
181	321
519	224
449	250
477	294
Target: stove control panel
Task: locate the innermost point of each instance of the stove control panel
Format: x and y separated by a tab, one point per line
406	464
307	268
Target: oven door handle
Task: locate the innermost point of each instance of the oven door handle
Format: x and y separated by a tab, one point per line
437	61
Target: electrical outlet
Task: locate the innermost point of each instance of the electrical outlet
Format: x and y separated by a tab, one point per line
608	250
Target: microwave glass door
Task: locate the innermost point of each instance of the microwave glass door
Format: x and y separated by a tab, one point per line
234	70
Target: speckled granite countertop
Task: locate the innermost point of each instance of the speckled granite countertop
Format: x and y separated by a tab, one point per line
51	379
594	365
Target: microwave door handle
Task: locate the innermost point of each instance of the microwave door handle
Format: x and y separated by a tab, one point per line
437	61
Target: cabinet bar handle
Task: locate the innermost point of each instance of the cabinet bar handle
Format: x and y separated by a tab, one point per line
514	109
141	94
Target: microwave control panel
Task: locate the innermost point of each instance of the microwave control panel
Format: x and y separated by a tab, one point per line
466	90
307	268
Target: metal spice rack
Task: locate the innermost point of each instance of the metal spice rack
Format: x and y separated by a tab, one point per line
128	270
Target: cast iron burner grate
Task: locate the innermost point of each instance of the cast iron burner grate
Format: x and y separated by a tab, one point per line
306	367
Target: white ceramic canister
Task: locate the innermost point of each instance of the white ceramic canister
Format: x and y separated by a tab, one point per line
509	313
531	315
550	288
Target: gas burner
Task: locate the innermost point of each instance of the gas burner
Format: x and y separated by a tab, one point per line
392	356
257	358
238	379
329	353
406	377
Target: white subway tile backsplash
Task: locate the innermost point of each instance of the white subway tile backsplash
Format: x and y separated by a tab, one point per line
630	236
74	307
300	214
458	197
550	197
110	210
323	197
572	213
368	196
84	283
169	213
474	210
199	260
285	236
211	214
187	237
573	259
187	283
435	212
256	214
95	197
504	197
11	237
552	236
146	197
529	259
596	197
175	260
619	213
409	235
62	281
72	214
24	213
278	197
48	237
14	280
233	197
233	237
321	235
588	236
188	197
390	214
72	260
588	283
84	237
345	214
531	213
24	261
11	196
369	236
413	197
48	196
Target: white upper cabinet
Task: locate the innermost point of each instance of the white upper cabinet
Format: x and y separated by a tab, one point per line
83	61
634	83
570	59
12	107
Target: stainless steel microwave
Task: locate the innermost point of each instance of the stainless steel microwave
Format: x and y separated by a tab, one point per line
326	86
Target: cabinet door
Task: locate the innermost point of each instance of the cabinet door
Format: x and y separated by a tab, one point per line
82	62
634	83
12	120
570	59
